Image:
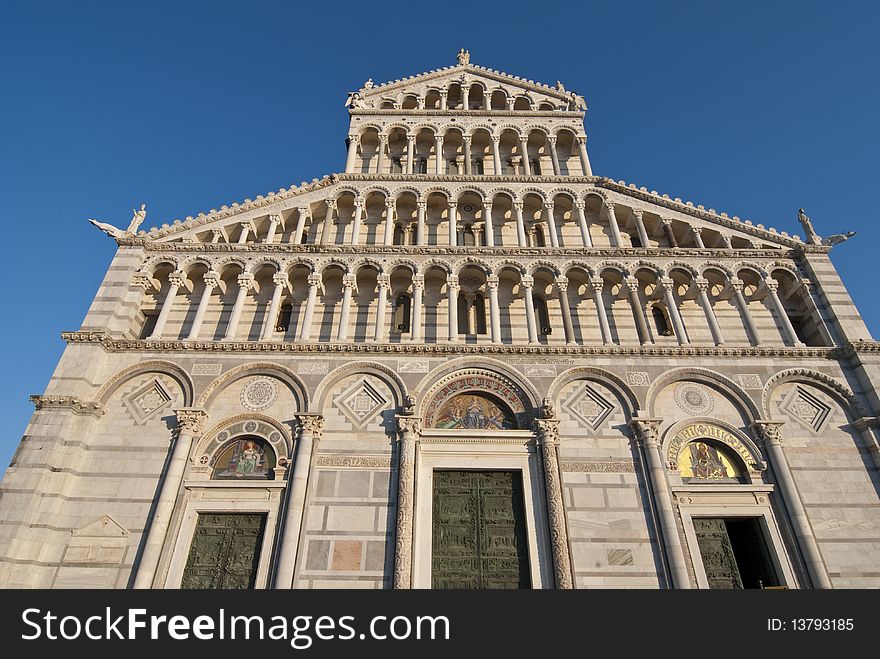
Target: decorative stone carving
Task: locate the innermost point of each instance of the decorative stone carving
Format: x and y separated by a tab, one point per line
206	369
704	430
311	424
361	402
309	367
694	398
598	467
191	420
147	401
409	428
259	393
750	381
354	461
412	366
637	379
807	409
72	403
589	407
547	431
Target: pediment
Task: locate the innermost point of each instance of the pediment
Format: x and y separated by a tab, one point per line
104	527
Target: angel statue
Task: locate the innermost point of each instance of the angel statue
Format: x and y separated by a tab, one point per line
577	102
369	84
812	236
560	87
138	217
464	56
109	229
355	100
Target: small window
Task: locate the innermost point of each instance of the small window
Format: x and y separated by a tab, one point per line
535	165
542	316
150	318
284	314
477	167
661	324
421	166
402	307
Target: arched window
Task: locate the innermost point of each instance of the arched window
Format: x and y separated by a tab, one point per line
468	237
282	324
477	166
539	237
661	322
535	165
421	166
479	314
399	235
245	458
402	314
542	316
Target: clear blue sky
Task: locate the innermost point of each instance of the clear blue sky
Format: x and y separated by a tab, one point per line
753	108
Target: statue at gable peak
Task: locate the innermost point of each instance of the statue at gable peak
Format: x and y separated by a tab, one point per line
464	56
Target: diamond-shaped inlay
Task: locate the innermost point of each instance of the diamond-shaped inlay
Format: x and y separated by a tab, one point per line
147	401
361	402
806	409
588	406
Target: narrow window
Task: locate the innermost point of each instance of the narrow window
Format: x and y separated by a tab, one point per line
536	166
660	322
284	314
480	314
478	166
542	316
150	318
402	312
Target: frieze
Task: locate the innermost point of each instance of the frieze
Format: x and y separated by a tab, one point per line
354	461
598	467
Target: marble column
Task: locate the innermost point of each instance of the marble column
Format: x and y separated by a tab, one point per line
409	429
668	285
410	152
648	436
211	280
496	155
389	223
524	152
418	283
635	302
216	235
520	224
452	300
438	154
526	284
358	221
245	231
587	240
582	152
613	226
494	308
245	283
468	163
296	238
769	432
551	223
453	224
604	328
348	285
670	234
281	282
640	228
305	333
310	428
554	157
380	156
421	208
771	288
487	222
190	424
816	312
736	286
327	225
353	141
698	237
567	324
443	94
465	93
384	283
547	440
274	221
702	286
176	281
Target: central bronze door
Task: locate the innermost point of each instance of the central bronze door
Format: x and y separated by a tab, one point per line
479	531
225	551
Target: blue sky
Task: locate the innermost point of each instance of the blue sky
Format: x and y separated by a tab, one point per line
753	108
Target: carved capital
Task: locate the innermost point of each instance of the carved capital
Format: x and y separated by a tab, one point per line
383	139
547	431
452	281
142	280
609	207
191	420
527	281
418	281
246	281
697	230
549	206
492	282
280	279
701	284
354	138
331	204
552	140
349	281
177	278
314	279
647	431
383	280
562	283
422	204
359	202
581	139
518	205
768	430
667	283
771	285
580	204
311	425
632	284
597	285
409	427
274	218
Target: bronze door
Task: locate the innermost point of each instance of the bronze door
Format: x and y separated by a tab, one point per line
479	531
225	551
716	551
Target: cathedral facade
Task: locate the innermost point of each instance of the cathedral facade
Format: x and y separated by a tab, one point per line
464	362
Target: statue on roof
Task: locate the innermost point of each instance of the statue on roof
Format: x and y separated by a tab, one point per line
369	84
576	102
812	236
115	232
838	238
464	56
560	87
355	100
137	218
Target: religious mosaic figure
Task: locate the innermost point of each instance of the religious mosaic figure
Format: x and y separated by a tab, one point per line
706	463
473	412
246	458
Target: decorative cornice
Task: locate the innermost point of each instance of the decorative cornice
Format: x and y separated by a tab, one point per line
76	405
598	467
574	114
354	461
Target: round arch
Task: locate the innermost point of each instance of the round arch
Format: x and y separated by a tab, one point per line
259	368
737	394
387	375
153	366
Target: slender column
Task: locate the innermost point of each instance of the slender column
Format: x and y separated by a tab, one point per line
737	287
670	235
771	288
520	224
421	207
418	282
452	297
216	235
453	228
389	222
526	283
274	221
726	240
468	166
547	435
353	141
443	93
524	152
384	283
438	154
310	428
816	312
648	436
551	223
176	281
640	228
605	329
245	231
465	92
635	302
211	281
487	221
494	308
554	157
702	286
281	282
420	102
358	221
511	100
487	101
582	223
410	148
296	239
380	157
305	333
245	283
667	283
328	221
496	155
769	431
348	284
867	425
612	224
562	288
698	238
409	429
585	159
190	423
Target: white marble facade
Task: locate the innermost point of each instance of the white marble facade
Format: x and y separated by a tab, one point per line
467	242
